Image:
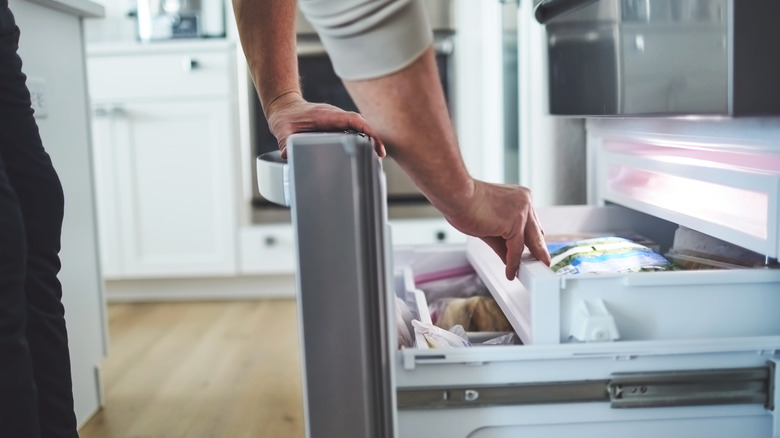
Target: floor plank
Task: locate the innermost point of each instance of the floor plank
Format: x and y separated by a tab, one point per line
203	369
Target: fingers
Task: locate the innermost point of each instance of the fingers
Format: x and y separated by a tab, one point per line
351	121
515	246
534	240
510	248
308	117
283	146
498	245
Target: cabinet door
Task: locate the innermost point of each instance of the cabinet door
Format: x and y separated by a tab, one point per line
104	133
175	196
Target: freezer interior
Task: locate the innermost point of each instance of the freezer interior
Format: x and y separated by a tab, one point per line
666	364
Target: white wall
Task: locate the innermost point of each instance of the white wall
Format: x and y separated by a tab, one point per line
51	49
552	149
478	87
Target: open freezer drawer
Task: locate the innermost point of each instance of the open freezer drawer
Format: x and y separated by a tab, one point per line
653	382
358	384
546	308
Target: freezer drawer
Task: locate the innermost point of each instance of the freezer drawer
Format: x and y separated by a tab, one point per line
358	383
720	179
546	308
701	386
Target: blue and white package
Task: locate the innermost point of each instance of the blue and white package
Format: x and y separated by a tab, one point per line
603	255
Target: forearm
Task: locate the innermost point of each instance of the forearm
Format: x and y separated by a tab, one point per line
267	32
408	111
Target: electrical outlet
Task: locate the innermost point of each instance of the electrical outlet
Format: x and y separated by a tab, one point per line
38	96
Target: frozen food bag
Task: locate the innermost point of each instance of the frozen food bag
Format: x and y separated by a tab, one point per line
603	255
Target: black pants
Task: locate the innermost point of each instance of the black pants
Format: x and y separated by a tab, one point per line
36	396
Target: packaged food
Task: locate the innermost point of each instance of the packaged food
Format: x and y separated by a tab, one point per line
696	250
603	255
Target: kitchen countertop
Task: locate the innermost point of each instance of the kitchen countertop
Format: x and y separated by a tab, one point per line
81	8
134	47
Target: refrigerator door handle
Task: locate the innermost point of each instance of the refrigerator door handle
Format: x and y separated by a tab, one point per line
548	10
273	178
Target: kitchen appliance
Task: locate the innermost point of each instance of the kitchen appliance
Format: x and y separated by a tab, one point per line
640	57
173	19
694	352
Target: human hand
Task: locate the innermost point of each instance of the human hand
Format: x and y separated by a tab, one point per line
503	217
290	114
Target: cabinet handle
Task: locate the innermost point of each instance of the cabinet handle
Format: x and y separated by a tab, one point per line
100	111
109	111
270	241
189	64
118	111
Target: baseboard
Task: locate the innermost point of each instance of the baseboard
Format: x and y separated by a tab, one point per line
204	289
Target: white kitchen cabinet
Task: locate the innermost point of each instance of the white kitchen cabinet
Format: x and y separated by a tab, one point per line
270	248
163	129
424	232
267	249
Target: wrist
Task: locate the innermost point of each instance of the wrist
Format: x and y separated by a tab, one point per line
458	200
281	100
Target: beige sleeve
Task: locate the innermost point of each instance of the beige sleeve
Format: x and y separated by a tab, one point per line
367	39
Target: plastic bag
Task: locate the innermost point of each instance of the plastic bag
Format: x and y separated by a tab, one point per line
437	337
460	286
507	339
475	314
403	322
440	292
604	255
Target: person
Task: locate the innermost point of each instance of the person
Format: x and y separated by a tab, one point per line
382	50
36	395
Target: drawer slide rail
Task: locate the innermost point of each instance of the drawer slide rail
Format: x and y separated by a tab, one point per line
622	390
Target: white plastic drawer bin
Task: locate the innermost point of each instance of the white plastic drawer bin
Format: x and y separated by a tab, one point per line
546	308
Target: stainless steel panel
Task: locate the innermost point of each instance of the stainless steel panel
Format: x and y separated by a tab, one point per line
668	57
338	216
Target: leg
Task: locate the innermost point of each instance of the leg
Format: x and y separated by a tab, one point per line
39	192
18	405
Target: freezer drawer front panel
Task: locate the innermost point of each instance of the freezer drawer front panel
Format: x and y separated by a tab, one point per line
639	389
341	286
719	183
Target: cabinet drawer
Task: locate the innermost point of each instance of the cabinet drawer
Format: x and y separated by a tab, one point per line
159	76
267	249
424	232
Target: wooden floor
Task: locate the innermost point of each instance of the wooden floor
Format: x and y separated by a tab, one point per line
208	369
